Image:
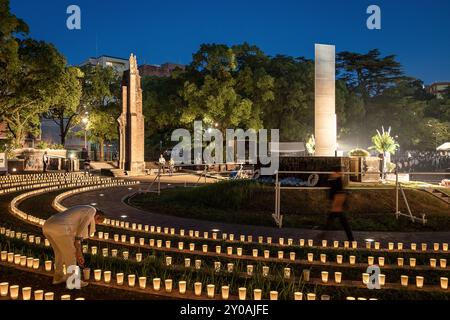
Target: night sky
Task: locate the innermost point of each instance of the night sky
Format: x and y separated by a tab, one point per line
171	30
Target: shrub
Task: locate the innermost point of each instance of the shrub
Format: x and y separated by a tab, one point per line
359	153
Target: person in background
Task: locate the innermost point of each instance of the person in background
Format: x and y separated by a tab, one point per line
87	165
45	161
162	162
171	166
65	231
338	199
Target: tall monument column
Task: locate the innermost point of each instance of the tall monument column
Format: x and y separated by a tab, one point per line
325	101
131	122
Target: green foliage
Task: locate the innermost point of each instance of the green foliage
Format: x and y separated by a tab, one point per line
359	153
384	143
66	107
311	145
41	145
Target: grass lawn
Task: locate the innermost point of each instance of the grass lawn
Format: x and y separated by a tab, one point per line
248	202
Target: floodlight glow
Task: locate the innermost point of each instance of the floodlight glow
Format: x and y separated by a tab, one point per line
124	217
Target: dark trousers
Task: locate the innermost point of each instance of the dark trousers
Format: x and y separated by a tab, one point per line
45	167
344	222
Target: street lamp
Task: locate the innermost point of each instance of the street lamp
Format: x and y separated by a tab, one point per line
85	122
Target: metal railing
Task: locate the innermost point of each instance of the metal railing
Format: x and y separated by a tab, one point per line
314	177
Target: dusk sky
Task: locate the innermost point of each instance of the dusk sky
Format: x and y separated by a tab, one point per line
171	30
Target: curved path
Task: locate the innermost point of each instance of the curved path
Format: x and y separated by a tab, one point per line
111	203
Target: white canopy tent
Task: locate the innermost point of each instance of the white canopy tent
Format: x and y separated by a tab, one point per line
444	147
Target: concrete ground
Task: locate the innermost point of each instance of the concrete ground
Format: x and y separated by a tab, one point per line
112	203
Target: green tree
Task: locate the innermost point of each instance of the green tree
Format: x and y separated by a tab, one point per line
384	144
101	101
32	91
65	111
11	27
369	74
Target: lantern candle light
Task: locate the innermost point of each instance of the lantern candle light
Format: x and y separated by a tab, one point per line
338	277
404	281
26	293
242	293
412	262
324	276
225	292
168	285
182	287
198	289
4	286
107	276
273	295
419	282
257	294
14	292
156	284
119	278
444	283
210	291
97	275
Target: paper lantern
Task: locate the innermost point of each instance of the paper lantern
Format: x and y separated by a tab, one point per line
119	278
156	284
323	258
338	277
107	276
287	273
419	282
311	296
187	262
382	279
412	262
310	257
280	254
433	263
242	293
306	274
273	295
49	296
39	295
210	288
225	292
86	274
352	260
98	275
324	276
444	283
230	267
182	287
298	296
257	294
198	264
400	262
255	253
168	285
26	293
14	292
265	271
339	259
4	287
198	289
404	281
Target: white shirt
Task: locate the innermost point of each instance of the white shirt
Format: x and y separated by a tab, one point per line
77	221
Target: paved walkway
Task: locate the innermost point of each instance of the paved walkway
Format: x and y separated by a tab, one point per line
111	203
